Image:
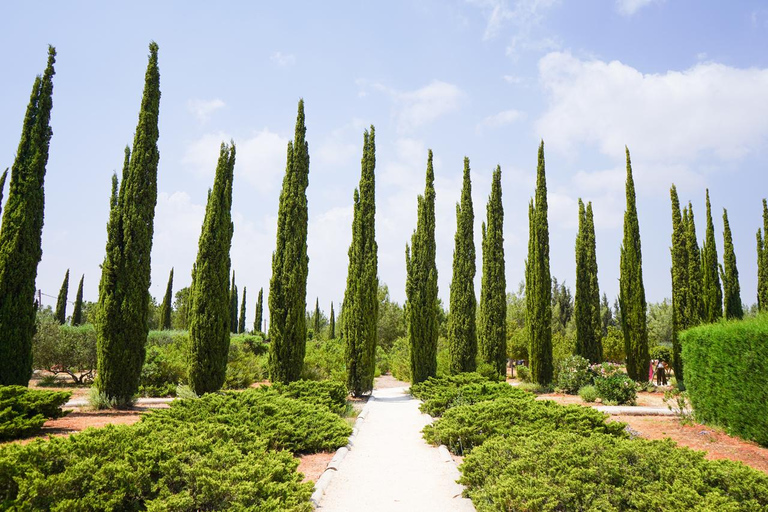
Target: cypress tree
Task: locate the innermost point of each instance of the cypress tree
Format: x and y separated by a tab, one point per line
77	312
538	282
632	290
233	304
361	297
121	320
257	321
2	186
241	324
61	302
679	272
332	325
165	308
694	302
492	339
20	235
290	264
762	262
210	312
421	286
462	328
730	275
713	293
587	299
316	318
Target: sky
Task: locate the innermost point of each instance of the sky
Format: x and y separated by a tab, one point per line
682	83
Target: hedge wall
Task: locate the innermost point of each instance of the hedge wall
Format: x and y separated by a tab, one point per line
726	374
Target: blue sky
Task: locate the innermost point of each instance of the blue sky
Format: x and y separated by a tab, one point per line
684	84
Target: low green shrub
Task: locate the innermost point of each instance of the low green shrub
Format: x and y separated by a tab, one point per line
382	361
244	365
465	427
533	387
489	372
661	352
523	373
330	394
574	373
617	389
588	393
23	411
400	360
726	375
441	399
436	386
564	471
65	349
324	360
165	366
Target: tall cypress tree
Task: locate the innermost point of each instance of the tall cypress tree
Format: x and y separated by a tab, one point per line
21	231
587	298
730	275
538	282
361	297
61	302
316	318
258	320
492	339
165	308
2	186
762	262
241	323
632	290
77	312
694	301
713	293
679	272
290	264
421	286
233	304
332	325
210	311
121	321
462	328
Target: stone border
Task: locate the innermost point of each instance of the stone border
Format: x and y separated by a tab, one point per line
325	479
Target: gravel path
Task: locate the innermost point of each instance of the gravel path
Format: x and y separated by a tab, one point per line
390	467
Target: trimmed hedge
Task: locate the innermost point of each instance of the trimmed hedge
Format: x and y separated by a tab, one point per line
552	471
23	411
726	375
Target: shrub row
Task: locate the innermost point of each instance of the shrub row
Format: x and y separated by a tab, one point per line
726	375
441	394
611	385
23	411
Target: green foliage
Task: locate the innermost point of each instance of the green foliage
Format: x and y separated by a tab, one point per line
680	279
587	298
727	375
632	289
246	363
762	261
121	320
538	291
290	264
660	352
400	359
391	324
61	302
77	312
65	349
573	373
466	426
713	293
330	394
421	286
24	411
332	324
588	393
325	359
616	389
21	231
614	348
492	325
361	300
209	319
180	314
165	309
462	328
563	471
233	305
241	321
730	275
523	373
517	333
258	319
439	398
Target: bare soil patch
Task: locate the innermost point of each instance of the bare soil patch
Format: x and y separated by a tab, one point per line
313	465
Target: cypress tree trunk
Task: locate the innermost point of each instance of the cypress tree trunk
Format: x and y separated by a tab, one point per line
241	324
462	328
77	312
257	321
538	290
61	302
762	262
421	286
713	293
492	339
730	275
290	265
587	298
679	271
332	325
20	235
316	319
233	306
121	321
632	290
165	308
209	321
361	300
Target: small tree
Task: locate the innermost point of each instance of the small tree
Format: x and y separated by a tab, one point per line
165	308
61	303
241	324
730	275
77	312
258	320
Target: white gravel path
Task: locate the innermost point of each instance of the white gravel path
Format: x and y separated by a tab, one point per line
391	468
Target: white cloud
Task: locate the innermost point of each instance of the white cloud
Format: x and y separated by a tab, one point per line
202	109
422	106
524	16
260	158
501	119
514	80
630	7
678	116
283	60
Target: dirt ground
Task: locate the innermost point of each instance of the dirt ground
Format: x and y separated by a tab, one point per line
644	399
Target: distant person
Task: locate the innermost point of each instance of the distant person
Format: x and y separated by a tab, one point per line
661	373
